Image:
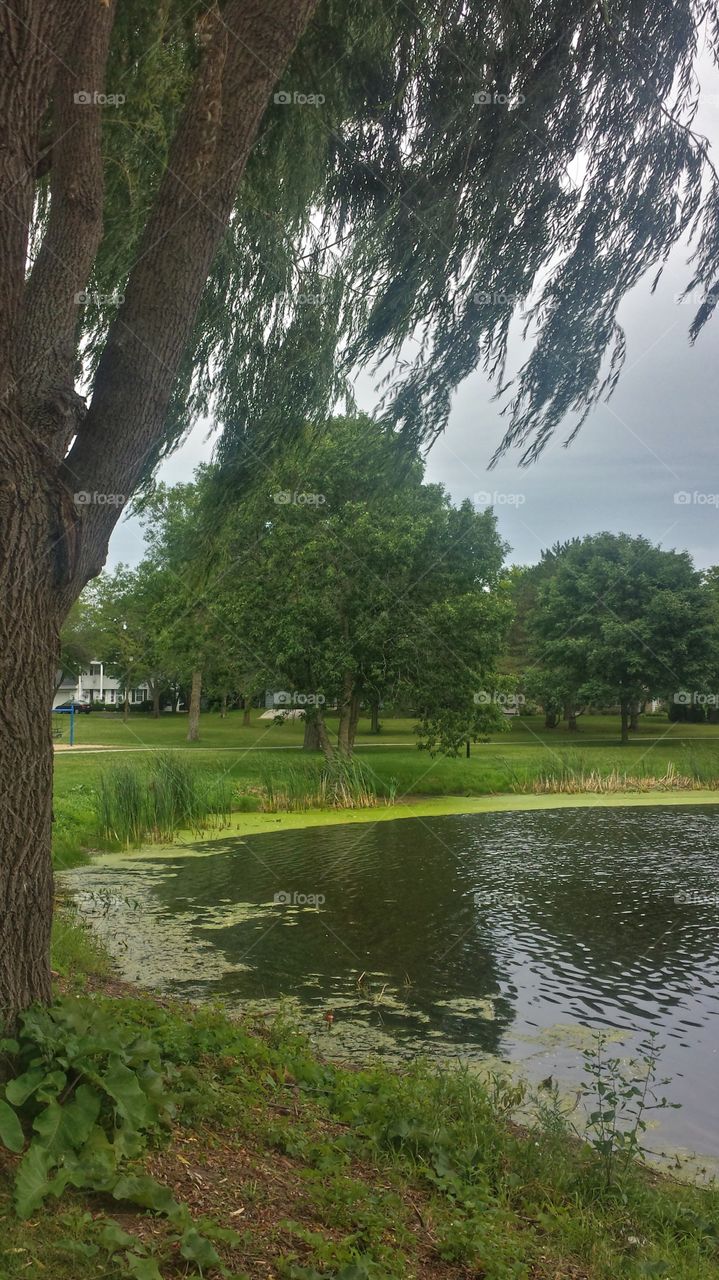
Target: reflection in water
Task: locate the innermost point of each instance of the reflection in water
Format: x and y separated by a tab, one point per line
502	933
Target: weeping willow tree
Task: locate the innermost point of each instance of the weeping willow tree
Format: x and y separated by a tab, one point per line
228	209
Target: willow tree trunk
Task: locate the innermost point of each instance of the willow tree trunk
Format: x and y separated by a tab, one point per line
29	653
193	726
126	706
223	707
374	725
626	712
634	719
69	467
246	714
156	702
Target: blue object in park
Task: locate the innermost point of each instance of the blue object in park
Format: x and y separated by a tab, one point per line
68	711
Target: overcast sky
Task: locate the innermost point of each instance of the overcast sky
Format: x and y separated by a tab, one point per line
654	440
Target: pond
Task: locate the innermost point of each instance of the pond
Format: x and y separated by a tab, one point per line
504	934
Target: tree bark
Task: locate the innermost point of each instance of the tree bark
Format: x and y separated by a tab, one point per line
349	714
324	737
51	304
570	715
311	741
550	719
374	725
49	546
34	42
354	719
247	713
126	706
156	702
634	720
223	707
248	46
193	727
29	654
625	710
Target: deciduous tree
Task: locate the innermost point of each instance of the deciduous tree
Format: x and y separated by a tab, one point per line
619	620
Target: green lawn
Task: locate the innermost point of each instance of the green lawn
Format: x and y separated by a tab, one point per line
141	730
520	761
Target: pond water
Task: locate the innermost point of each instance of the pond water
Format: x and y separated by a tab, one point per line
505	934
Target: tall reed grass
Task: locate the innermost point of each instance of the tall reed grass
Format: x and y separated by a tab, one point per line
135	806
335	784
570	775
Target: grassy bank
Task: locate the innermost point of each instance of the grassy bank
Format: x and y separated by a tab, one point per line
244	824
293	1168
259	1159
261	767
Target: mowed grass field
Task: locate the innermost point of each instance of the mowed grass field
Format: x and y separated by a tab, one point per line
141	730
518	761
248	751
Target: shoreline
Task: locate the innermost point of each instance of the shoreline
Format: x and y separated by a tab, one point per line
242	824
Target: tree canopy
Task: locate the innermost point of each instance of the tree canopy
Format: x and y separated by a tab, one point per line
620	620
340	578
448	168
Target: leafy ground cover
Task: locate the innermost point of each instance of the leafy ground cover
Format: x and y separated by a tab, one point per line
271	1162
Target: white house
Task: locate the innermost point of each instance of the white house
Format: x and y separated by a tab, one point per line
94	685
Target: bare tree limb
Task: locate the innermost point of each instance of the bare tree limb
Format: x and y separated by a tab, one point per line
46	361
34	36
247	50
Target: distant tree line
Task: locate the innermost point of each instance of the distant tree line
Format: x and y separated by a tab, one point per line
336	576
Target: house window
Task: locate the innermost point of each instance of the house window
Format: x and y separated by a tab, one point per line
95	668
138	695
110	695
